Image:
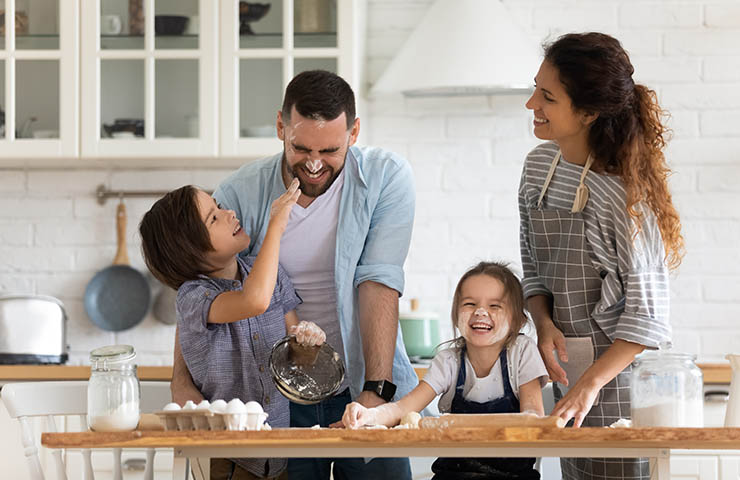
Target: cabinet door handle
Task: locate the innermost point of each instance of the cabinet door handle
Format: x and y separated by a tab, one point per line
716	396
135	464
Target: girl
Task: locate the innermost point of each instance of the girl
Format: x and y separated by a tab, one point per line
598	233
230	310
489	368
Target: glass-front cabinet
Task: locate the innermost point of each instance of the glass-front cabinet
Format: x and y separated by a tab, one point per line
39	114
96	79
263	45
149	78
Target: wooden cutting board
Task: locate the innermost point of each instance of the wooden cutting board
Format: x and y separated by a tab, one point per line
469	420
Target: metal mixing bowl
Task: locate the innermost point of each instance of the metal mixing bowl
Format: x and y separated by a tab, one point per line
305	375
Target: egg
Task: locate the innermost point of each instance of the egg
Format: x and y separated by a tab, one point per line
189	405
204	405
253	407
235	406
218	406
171	406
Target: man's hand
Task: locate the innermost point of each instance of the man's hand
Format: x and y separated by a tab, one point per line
182	386
365	399
184	391
369	399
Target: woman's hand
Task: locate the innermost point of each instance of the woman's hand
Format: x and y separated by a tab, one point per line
308	334
280	209
356	415
576	403
549	338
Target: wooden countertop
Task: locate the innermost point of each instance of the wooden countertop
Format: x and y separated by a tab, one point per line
684	438
16	373
713	372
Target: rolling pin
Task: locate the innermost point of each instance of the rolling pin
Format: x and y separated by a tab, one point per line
452	420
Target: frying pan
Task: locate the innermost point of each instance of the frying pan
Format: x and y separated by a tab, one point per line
117	298
164	305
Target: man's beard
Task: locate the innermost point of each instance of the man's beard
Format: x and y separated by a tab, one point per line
311	189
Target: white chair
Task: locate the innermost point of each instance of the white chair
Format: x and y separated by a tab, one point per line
49	399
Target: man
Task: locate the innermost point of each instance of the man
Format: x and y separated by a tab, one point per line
343	248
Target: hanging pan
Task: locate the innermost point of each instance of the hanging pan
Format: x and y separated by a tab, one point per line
117	298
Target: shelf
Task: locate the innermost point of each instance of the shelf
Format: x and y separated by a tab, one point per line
136	42
34	42
300	40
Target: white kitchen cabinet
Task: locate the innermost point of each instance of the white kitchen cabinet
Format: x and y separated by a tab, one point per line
294	36
38	71
150	88
101	79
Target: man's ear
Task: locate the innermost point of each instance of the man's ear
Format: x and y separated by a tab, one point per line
280	127
354	132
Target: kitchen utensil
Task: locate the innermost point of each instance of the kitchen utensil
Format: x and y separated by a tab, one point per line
491	420
32	330
110	24
420	331
117	298
305	375
666	390
170	24
314	16
164	305
732	415
251	12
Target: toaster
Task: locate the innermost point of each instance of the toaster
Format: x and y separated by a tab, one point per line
32	330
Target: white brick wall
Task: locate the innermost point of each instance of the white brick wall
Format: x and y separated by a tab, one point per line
688	51
466	154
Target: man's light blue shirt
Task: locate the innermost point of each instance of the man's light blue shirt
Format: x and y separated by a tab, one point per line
376	216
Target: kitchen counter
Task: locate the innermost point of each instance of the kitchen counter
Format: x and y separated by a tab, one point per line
654	443
22	373
715	373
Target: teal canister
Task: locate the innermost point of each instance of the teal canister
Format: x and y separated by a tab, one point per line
420	331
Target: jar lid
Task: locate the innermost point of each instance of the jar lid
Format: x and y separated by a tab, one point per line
664	355
113	354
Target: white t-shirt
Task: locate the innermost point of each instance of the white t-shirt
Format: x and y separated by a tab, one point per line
307	251
524	362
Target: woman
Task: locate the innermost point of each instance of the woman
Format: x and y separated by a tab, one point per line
599	233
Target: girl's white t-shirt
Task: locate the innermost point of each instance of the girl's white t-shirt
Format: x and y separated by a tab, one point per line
524	362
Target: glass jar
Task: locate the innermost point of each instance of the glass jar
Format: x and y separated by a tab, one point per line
666	390
113	390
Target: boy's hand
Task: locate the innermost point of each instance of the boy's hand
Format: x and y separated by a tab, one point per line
355	416
280	210
308	334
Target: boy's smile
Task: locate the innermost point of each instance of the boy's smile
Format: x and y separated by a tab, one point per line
227	236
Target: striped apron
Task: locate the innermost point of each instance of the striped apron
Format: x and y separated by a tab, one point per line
561	253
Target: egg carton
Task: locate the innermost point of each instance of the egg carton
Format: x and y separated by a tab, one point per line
184	420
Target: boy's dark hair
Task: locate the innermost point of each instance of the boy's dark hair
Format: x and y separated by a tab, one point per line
319	94
174	238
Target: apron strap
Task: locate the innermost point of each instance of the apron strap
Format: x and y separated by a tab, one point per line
579	202
582	191
553	166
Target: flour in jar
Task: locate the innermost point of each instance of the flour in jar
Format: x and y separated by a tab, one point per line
123	419
676	413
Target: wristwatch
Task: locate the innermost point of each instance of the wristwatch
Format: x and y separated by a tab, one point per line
385	389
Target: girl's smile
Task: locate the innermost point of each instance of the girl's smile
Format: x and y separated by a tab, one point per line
483	315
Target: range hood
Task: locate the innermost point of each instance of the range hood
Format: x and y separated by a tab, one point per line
463	47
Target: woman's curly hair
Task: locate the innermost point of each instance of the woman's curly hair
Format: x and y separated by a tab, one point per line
628	136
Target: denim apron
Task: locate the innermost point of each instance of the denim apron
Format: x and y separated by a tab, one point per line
561	253
484	468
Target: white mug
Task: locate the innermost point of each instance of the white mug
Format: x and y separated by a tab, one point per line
110	24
